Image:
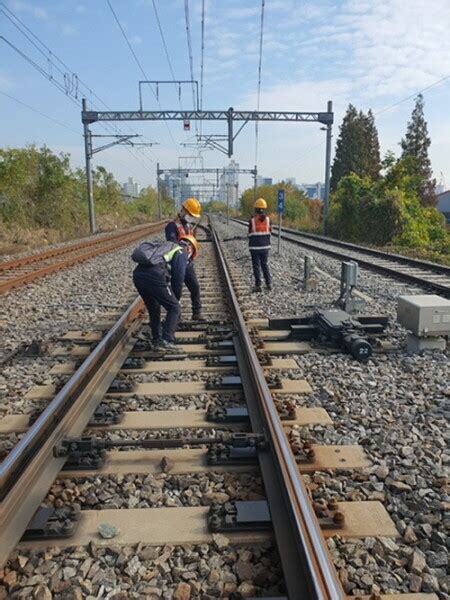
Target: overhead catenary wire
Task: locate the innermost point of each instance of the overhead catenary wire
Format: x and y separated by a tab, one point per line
39	112
258	93
202	44
68	75
376	114
191	58
138	63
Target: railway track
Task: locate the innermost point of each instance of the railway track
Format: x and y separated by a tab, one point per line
233	356
432	277
20	271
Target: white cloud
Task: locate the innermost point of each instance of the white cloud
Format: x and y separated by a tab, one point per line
28	7
68	30
5	83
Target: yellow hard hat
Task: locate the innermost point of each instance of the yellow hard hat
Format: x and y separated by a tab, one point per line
260	203
193	241
193	207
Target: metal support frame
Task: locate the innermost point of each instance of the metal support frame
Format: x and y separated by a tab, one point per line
230	115
216	171
326	203
180	172
158	188
88	156
89	152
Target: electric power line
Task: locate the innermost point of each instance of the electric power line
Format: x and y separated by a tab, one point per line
191	60
379	112
39	112
202	59
138	63
69	77
258	95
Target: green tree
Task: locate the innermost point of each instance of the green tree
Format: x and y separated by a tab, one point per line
415	145
373	162
388	211
357	147
38	189
300	210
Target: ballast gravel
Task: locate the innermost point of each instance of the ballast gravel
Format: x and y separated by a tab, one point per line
154	491
200	572
395	406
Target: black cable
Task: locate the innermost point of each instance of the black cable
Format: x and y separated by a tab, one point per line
259	79
138	63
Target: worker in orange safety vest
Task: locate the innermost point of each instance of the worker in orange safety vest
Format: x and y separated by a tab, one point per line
259	232
185	224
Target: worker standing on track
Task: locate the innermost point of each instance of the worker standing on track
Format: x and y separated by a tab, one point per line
183	225
159	278
259	231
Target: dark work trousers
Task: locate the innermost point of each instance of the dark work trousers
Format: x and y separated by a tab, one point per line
260	262
193	286
155	291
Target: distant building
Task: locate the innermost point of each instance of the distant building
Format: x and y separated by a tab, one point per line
263	181
443	205
315	191
228	188
131	188
177	187
292	181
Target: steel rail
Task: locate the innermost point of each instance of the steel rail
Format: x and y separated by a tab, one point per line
407	260
393	271
15	281
307	566
29	470
26	260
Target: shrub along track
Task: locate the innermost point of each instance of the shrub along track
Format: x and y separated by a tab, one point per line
20	271
30	469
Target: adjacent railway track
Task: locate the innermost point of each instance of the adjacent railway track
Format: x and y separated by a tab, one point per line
20	271
430	276
225	347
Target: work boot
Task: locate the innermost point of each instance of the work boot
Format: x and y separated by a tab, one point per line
257	289
269	287
197	316
169	347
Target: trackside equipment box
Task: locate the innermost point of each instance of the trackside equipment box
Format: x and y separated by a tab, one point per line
424	315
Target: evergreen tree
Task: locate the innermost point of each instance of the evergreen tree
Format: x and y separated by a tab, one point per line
357	147
415	146
373	164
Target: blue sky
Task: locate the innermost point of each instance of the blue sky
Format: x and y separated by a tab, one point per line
373	53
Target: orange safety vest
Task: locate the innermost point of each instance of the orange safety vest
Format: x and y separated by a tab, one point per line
259	227
181	230
259	233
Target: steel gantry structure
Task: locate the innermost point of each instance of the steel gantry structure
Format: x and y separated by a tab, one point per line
230	116
218	172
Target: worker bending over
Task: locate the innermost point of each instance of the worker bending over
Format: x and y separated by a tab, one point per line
259	231
185	224
159	278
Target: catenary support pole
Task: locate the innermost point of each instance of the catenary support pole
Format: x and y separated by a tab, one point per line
88	156
326	207
227	190
158	188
